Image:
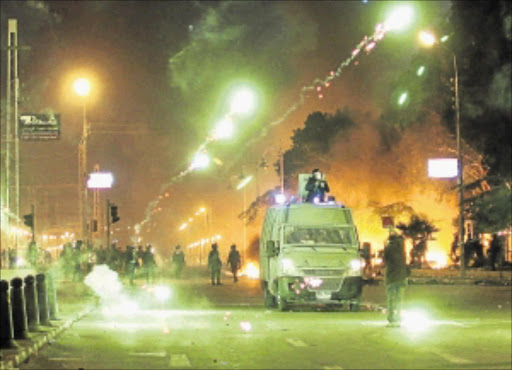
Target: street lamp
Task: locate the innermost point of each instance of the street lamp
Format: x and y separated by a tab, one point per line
82	88
224	129
243	101
429	39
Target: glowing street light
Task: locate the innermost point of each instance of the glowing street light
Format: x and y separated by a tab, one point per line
200	161
224	129
82	86
420	71
243	101
427	38
183	226
399	18
402	98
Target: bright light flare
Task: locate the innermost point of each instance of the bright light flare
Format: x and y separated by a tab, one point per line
246	326
82	86
244	182
437	259
442	168
399	19
251	270
243	101
200	161
403	98
224	129
100	180
183	226
162	293
280	198
313	282
427	38
420	71
414	320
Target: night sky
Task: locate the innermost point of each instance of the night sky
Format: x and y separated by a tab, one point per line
161	73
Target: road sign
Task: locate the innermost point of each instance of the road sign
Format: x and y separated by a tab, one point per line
39	126
388	221
443	168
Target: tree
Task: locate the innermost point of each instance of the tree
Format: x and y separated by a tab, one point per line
313	142
419	230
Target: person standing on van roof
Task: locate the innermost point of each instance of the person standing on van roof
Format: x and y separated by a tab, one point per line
396	277
316	187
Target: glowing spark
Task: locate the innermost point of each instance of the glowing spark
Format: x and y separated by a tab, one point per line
245	326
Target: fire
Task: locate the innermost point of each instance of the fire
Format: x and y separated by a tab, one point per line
251	270
437	259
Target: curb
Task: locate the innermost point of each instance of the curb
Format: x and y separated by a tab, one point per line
23	354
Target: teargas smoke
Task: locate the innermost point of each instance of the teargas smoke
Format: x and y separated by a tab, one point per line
104	282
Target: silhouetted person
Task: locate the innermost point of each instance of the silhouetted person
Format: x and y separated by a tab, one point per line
494	251
131	262
396	277
316	187
234	262
149	264
215	264
178	261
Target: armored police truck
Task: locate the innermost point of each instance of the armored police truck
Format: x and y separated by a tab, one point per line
309	254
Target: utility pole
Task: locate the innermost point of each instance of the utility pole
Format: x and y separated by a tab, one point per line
460	178
95	221
107	223
281	168
82	174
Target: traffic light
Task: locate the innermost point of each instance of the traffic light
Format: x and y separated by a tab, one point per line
28	220
113	213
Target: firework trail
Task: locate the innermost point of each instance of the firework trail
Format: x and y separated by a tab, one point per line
367	44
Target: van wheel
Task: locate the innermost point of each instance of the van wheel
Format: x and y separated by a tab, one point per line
270	300
282	305
355	305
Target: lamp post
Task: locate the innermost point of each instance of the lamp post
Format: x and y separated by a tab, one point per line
82	88
429	39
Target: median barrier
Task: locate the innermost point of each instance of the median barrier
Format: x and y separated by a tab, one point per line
6	329
19	312
42	300
31	303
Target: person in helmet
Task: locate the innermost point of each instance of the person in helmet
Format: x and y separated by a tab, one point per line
316	187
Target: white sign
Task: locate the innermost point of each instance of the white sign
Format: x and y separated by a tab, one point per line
443	168
100	180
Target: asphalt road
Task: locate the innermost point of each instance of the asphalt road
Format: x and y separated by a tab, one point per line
226	326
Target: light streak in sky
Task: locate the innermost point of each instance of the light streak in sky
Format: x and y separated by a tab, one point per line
318	85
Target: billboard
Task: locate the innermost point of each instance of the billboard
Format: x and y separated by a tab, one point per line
443	168
41	126
100	180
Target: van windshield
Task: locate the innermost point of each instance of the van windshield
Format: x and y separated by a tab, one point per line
318	236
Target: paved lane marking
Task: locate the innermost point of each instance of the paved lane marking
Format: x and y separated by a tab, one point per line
296	342
179	361
335	367
451	358
149	354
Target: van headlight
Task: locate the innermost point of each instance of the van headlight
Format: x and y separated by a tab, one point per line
356	266
288	267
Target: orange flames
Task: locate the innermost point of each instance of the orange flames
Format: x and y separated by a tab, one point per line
251	270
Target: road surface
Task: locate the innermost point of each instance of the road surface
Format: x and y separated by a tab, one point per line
227	327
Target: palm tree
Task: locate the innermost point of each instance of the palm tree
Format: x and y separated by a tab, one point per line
419	230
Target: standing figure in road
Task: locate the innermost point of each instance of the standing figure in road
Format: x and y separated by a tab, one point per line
215	264
234	262
495	252
396	277
316	187
32	254
149	264
131	261
178	261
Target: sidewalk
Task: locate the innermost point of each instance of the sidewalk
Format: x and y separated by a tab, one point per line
74	301
474	276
